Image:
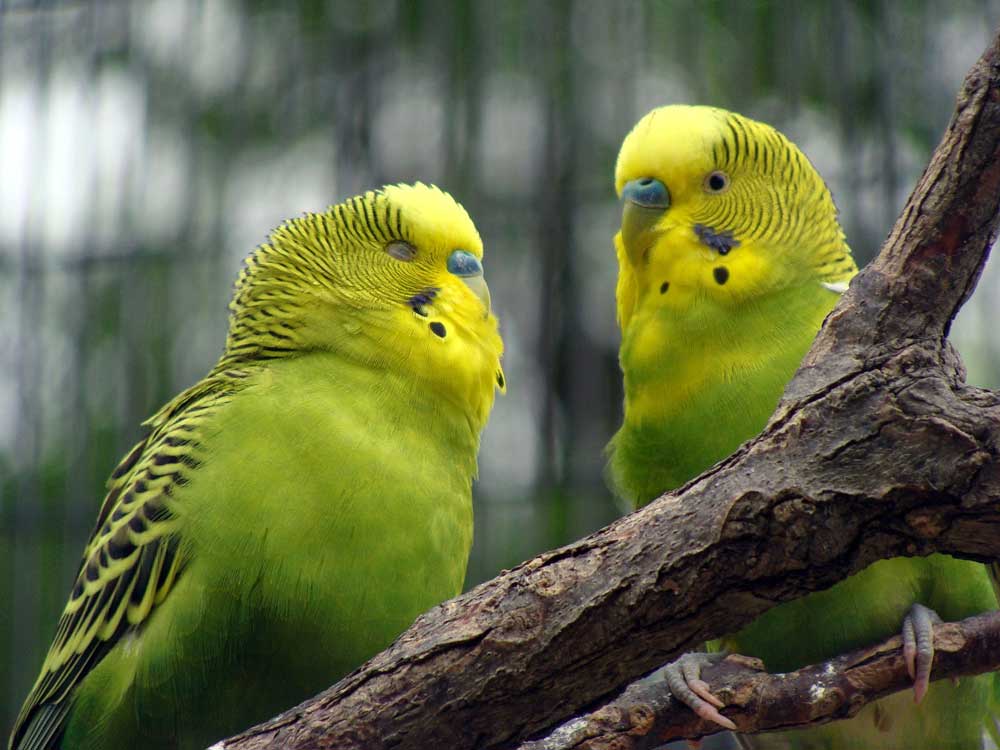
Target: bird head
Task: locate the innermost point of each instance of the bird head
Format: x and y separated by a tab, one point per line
717	210
392	279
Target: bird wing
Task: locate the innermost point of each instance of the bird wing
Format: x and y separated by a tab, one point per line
131	562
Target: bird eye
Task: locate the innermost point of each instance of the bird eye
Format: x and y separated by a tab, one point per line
464	263
717	182
401	250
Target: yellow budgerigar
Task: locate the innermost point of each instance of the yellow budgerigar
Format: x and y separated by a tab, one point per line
289	515
730	256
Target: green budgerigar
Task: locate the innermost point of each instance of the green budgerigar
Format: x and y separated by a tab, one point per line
730	256
288	516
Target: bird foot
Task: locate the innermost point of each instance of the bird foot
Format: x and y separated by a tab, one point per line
683	677
918	647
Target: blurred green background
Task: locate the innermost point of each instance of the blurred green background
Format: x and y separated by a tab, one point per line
146	147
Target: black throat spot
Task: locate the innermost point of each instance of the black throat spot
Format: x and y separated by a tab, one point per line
721	242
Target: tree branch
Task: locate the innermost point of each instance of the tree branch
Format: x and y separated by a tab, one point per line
645	715
877	450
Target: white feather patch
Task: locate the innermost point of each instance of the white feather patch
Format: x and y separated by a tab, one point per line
835	286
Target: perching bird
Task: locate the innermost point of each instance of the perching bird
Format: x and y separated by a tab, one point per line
288	516
730	255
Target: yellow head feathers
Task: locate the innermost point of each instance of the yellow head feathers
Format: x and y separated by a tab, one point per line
344	253
391	279
721	209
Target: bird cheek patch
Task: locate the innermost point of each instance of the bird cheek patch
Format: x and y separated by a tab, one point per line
420	300
720	242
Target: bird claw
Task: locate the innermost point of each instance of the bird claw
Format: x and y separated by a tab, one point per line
918	647
684	680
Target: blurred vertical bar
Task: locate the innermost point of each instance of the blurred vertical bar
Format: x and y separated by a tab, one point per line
555	201
839	90
7	684
78	485
464	81
885	39
25	569
356	59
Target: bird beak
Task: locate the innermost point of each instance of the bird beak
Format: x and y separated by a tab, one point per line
479	287
469	269
644	203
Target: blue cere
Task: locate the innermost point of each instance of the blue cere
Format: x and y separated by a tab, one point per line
464	263
647	192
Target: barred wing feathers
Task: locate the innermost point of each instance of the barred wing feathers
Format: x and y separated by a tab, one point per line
132	560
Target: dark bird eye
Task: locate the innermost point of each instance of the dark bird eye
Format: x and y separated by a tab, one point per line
717	182
401	250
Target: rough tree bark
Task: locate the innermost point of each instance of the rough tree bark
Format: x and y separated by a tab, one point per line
645	715
878	449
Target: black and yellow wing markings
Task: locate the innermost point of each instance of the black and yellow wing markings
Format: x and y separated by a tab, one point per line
133	558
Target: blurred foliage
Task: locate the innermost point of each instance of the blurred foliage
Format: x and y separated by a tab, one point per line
145	147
